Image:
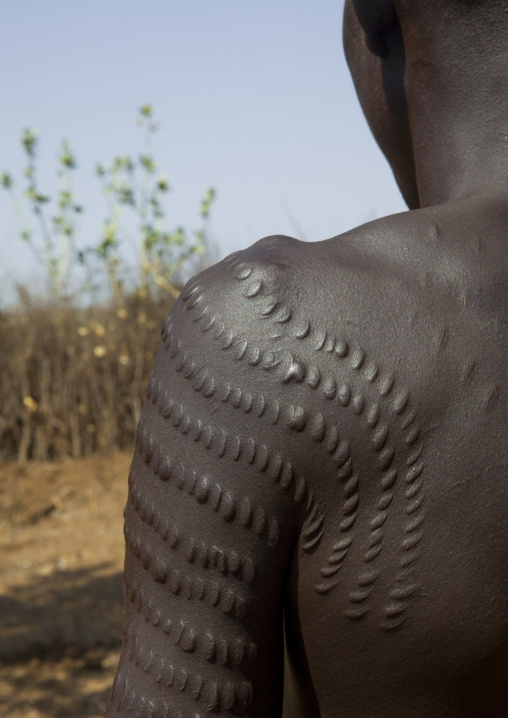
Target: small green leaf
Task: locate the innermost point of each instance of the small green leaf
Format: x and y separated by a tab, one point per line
29	140
146	110
6	180
67	158
162	184
148	163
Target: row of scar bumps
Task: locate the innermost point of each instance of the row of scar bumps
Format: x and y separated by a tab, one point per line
189	639
323	341
198	553
212	695
296	417
230	446
206	491
399	407
181	583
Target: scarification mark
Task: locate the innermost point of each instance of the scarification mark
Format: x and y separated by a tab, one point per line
400	402
284	315
400	407
442	339
196	299
372	553
344	395
268	306
492	399
317	428
324	588
415	455
386	458
416	522
314	377
373	415
276	408
200	487
343	544
413	506
332	439
341	348
372	371
300	490
331	570
313	523
357	359
413	435
254	289
215	695
244	273
402	593
297	418
380	438
414	473
304	330
220	331
259	521
468	371
357	613
408	419
367	578
360	596
293	371
320	338
330	388
359	403
313	542
348	522
387	384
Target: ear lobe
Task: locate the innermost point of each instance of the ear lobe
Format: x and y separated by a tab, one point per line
378	19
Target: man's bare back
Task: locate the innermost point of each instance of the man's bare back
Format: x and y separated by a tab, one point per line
323	453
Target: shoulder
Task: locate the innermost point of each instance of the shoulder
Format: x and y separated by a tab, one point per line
245	285
270	292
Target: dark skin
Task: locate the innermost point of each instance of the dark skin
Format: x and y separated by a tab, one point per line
323	449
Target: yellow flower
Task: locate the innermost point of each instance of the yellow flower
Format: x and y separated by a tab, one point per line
82	331
30	404
99	351
98	329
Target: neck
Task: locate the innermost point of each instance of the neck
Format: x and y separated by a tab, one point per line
458	114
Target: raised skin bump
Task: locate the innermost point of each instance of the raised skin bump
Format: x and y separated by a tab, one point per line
350	481
220	501
386	457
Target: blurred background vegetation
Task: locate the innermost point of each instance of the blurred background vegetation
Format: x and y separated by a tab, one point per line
75	361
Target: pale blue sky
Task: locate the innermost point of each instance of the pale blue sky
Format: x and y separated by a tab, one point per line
253	98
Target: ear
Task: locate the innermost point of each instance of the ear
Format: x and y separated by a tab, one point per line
378	20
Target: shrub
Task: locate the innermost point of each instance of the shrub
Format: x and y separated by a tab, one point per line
74	372
73	380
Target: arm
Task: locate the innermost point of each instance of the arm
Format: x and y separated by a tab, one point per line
211	518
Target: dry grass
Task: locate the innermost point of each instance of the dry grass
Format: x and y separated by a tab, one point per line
73	381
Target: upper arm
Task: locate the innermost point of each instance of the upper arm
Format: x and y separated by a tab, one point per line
211	521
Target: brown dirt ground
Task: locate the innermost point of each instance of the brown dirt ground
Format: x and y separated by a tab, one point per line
61	585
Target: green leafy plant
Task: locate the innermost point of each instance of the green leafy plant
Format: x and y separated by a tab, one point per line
133	185
53	242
